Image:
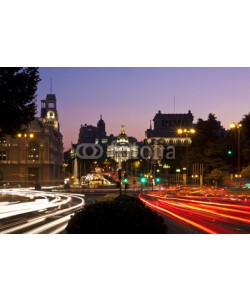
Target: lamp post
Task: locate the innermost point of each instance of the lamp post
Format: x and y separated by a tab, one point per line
166	168
187	133
237	126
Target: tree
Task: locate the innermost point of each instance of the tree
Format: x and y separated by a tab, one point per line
217	176
208	130
17	98
246	172
245	140
245	127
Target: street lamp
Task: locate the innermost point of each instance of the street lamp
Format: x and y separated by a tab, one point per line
237	126
187	133
195	178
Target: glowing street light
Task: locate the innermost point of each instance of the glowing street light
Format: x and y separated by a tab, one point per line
25	135
186	131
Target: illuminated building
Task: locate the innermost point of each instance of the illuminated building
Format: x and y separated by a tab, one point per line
35	155
165	132
121	149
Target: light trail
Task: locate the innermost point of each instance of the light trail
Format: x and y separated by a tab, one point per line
178	217
46	205
209	214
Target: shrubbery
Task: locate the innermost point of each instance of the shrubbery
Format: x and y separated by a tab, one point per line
122	215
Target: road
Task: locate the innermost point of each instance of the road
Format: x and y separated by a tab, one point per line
41	212
206	210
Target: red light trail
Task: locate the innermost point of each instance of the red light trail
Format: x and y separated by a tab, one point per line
210	214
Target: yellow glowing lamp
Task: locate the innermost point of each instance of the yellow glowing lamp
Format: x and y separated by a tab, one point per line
179	131
232	125
19	135
192	130
31	135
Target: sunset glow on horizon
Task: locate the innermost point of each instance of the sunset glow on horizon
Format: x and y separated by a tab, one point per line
132	96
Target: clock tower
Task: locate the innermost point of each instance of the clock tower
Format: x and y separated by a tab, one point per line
49	111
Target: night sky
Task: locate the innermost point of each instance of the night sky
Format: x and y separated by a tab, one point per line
132	96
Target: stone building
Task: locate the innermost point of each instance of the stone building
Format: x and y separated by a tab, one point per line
166	125
35	155
165	132
87	134
121	149
93	134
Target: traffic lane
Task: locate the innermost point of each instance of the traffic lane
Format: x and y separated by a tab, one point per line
185	218
30	221
180	211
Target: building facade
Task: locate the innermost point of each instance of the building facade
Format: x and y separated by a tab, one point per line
87	134
165	132
166	125
35	155
121	149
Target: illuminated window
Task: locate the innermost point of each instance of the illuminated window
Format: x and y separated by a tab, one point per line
33	151
3	155
2	141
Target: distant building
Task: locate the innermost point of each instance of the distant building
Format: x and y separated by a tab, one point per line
101	136
35	155
166	125
87	134
165	133
121	149
93	134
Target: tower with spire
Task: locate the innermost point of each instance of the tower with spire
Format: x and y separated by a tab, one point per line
49	112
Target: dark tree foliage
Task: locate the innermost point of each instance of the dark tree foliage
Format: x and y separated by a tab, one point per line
208	130
245	139
245	128
208	146
17	98
119	216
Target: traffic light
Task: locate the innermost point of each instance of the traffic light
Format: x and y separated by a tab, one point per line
157	179
143	180
125	179
229	150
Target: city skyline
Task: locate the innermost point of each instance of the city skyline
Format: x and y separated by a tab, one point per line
132	96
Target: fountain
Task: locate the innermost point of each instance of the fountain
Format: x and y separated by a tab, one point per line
75	172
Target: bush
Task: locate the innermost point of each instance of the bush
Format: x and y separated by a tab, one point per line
126	198
118	216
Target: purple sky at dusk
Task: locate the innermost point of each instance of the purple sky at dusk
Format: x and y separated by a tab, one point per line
132	96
